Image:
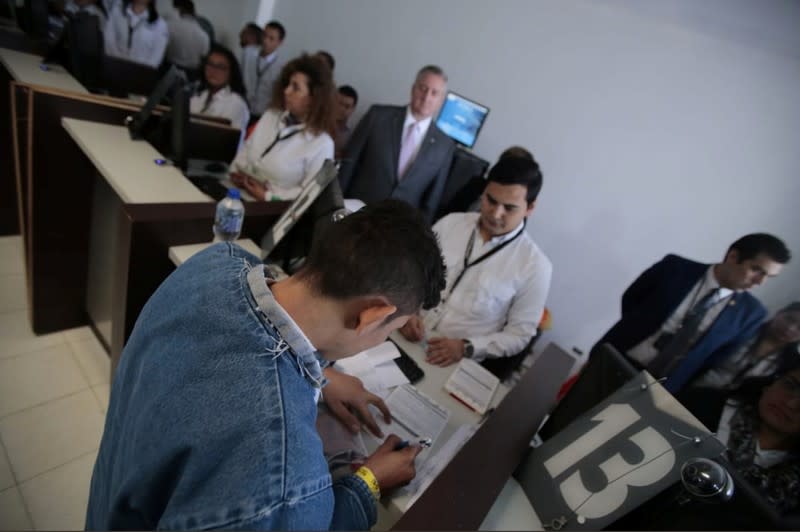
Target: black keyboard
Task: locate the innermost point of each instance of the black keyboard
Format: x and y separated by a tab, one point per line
210	185
407	365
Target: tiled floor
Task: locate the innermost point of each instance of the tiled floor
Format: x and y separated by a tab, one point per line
53	397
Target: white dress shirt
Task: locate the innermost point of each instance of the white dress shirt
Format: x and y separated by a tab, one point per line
646	351
290	162
259	74
498	303
224	103
188	42
148	40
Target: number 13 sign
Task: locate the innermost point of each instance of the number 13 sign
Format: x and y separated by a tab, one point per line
615	457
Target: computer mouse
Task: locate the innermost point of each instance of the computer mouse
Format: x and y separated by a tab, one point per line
216	167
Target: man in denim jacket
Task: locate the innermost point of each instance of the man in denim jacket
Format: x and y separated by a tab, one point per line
211	422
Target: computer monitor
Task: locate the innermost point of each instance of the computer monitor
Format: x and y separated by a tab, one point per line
461	119
168	133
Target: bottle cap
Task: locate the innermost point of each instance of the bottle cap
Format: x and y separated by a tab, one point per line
234	193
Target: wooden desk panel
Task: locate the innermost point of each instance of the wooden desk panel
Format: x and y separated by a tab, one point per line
461	496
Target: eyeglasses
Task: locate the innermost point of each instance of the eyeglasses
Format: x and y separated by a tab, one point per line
790	385
218	66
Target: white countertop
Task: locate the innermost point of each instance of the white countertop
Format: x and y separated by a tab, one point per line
129	165
180	254
26	68
432	385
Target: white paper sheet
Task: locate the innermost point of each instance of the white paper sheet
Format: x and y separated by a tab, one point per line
430	468
414	415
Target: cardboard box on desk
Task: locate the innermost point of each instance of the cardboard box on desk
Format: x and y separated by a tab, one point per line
615	457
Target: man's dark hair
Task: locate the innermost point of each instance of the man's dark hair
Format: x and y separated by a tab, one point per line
328	58
350	92
184	7
255	30
752	245
275	25
513	170
385	249
516	151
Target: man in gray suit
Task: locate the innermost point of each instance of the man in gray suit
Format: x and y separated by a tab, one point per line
398	152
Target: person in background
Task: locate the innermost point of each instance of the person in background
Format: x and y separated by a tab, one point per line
91	7
221	89
759	423
773	349
346	100
399	152
261	67
137	33
294	137
328	58
497	277
214	403
188	42
681	317
207	26
250	37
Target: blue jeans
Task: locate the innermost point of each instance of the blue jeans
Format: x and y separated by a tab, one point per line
211	421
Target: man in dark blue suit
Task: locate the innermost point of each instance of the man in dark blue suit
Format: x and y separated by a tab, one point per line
399	152
681	316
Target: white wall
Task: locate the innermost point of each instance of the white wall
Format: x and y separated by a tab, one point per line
657	130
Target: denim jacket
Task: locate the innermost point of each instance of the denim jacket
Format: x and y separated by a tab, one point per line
211	422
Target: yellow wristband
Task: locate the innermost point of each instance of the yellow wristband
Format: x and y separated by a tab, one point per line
365	474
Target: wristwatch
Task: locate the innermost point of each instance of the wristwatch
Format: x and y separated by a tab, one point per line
469	349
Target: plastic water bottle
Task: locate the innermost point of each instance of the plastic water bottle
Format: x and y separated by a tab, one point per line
229	218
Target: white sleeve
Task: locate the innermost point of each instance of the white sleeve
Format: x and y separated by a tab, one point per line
159	47
111	34
312	165
524	315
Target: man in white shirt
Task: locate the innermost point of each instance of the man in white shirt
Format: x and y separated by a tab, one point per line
497	277
188	42
261	67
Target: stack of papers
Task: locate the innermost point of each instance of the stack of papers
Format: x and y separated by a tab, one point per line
375	367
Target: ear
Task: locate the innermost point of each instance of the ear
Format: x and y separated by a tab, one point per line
531	206
732	256
372	316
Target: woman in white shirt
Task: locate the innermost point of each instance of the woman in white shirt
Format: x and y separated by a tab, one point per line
221	90
135	32
293	137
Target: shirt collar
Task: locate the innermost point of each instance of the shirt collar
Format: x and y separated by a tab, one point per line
309	360
499	239
424	124
710	283
268	59
134	17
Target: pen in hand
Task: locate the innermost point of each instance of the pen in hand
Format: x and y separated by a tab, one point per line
424	443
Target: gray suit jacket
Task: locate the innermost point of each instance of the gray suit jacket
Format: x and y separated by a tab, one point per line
369	169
